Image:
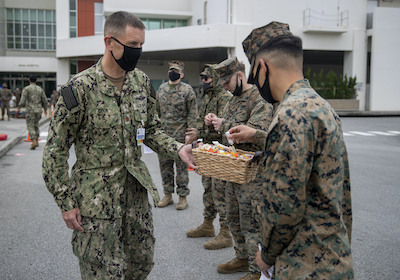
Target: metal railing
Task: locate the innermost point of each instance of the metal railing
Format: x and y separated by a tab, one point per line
312	18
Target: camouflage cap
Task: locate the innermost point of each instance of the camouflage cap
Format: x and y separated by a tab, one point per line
261	36
225	69
207	70
176	64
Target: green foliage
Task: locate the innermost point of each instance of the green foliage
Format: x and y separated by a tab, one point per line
329	86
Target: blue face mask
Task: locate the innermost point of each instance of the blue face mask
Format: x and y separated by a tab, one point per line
129	58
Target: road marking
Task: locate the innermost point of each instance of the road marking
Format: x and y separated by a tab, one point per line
361	133
383	133
394	131
347	134
44	133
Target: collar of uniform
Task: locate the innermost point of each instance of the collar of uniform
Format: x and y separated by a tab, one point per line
304	83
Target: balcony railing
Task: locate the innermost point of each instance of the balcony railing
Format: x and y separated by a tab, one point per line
314	21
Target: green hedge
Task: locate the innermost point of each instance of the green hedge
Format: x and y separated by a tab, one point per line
329	86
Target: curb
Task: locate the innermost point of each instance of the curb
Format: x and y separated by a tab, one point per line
14	142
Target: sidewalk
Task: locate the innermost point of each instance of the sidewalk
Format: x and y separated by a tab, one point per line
16	131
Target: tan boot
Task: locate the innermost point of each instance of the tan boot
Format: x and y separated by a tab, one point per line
8	117
235	265
2	118
167	200
34	144
222	240
182	204
251	276
206	229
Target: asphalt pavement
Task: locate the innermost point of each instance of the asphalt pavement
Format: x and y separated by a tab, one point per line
35	243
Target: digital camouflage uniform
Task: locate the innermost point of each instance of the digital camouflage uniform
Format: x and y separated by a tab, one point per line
306	201
213	101
54	98
249	108
177	109
5	95
108	182
35	100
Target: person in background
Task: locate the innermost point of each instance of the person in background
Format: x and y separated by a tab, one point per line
5	96
177	109
245	107
34	98
106	112
306	214
214	100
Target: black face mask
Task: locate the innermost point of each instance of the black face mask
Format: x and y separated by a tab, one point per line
129	58
265	90
238	90
173	76
207	86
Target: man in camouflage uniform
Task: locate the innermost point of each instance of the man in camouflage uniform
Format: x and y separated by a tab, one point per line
246	107
5	95
214	101
34	98
306	203
106	111
177	109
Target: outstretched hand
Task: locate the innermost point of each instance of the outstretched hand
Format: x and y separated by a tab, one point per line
242	133
185	153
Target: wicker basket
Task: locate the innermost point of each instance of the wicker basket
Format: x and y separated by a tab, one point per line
225	167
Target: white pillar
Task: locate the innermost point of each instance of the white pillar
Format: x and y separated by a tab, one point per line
62	71
355	64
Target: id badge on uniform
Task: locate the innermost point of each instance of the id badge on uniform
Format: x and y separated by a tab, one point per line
140	135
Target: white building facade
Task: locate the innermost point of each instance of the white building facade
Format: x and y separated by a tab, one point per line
354	38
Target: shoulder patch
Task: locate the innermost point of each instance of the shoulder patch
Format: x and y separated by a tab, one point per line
69	97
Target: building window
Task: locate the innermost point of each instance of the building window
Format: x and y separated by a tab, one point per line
73	19
73	67
98	18
154	23
31	29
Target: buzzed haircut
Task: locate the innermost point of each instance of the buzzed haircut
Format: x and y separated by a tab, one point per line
241	68
116	23
284	47
32	79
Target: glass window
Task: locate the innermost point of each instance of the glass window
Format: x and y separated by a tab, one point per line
17	14
49	44
25	44
145	22
72	33
33	15
17	29
169	23
25	15
33	29
17	42
54	31
25	29
154	24
10	14
49	16
41	43
72	4
41	29
10	42
98	18
33	43
182	22
40	15
10	29
72	19
48	30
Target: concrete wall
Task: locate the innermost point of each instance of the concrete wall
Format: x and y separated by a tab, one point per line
385	60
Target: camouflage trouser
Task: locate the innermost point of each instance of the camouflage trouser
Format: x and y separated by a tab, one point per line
167	176
120	248
244	219
214	199
5	106
32	123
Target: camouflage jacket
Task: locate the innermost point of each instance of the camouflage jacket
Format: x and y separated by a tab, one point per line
306	201
213	101
103	132
5	94
34	98
250	109
177	109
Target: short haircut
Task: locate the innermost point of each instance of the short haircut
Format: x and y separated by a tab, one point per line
116	23
241	68
32	79
282	48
